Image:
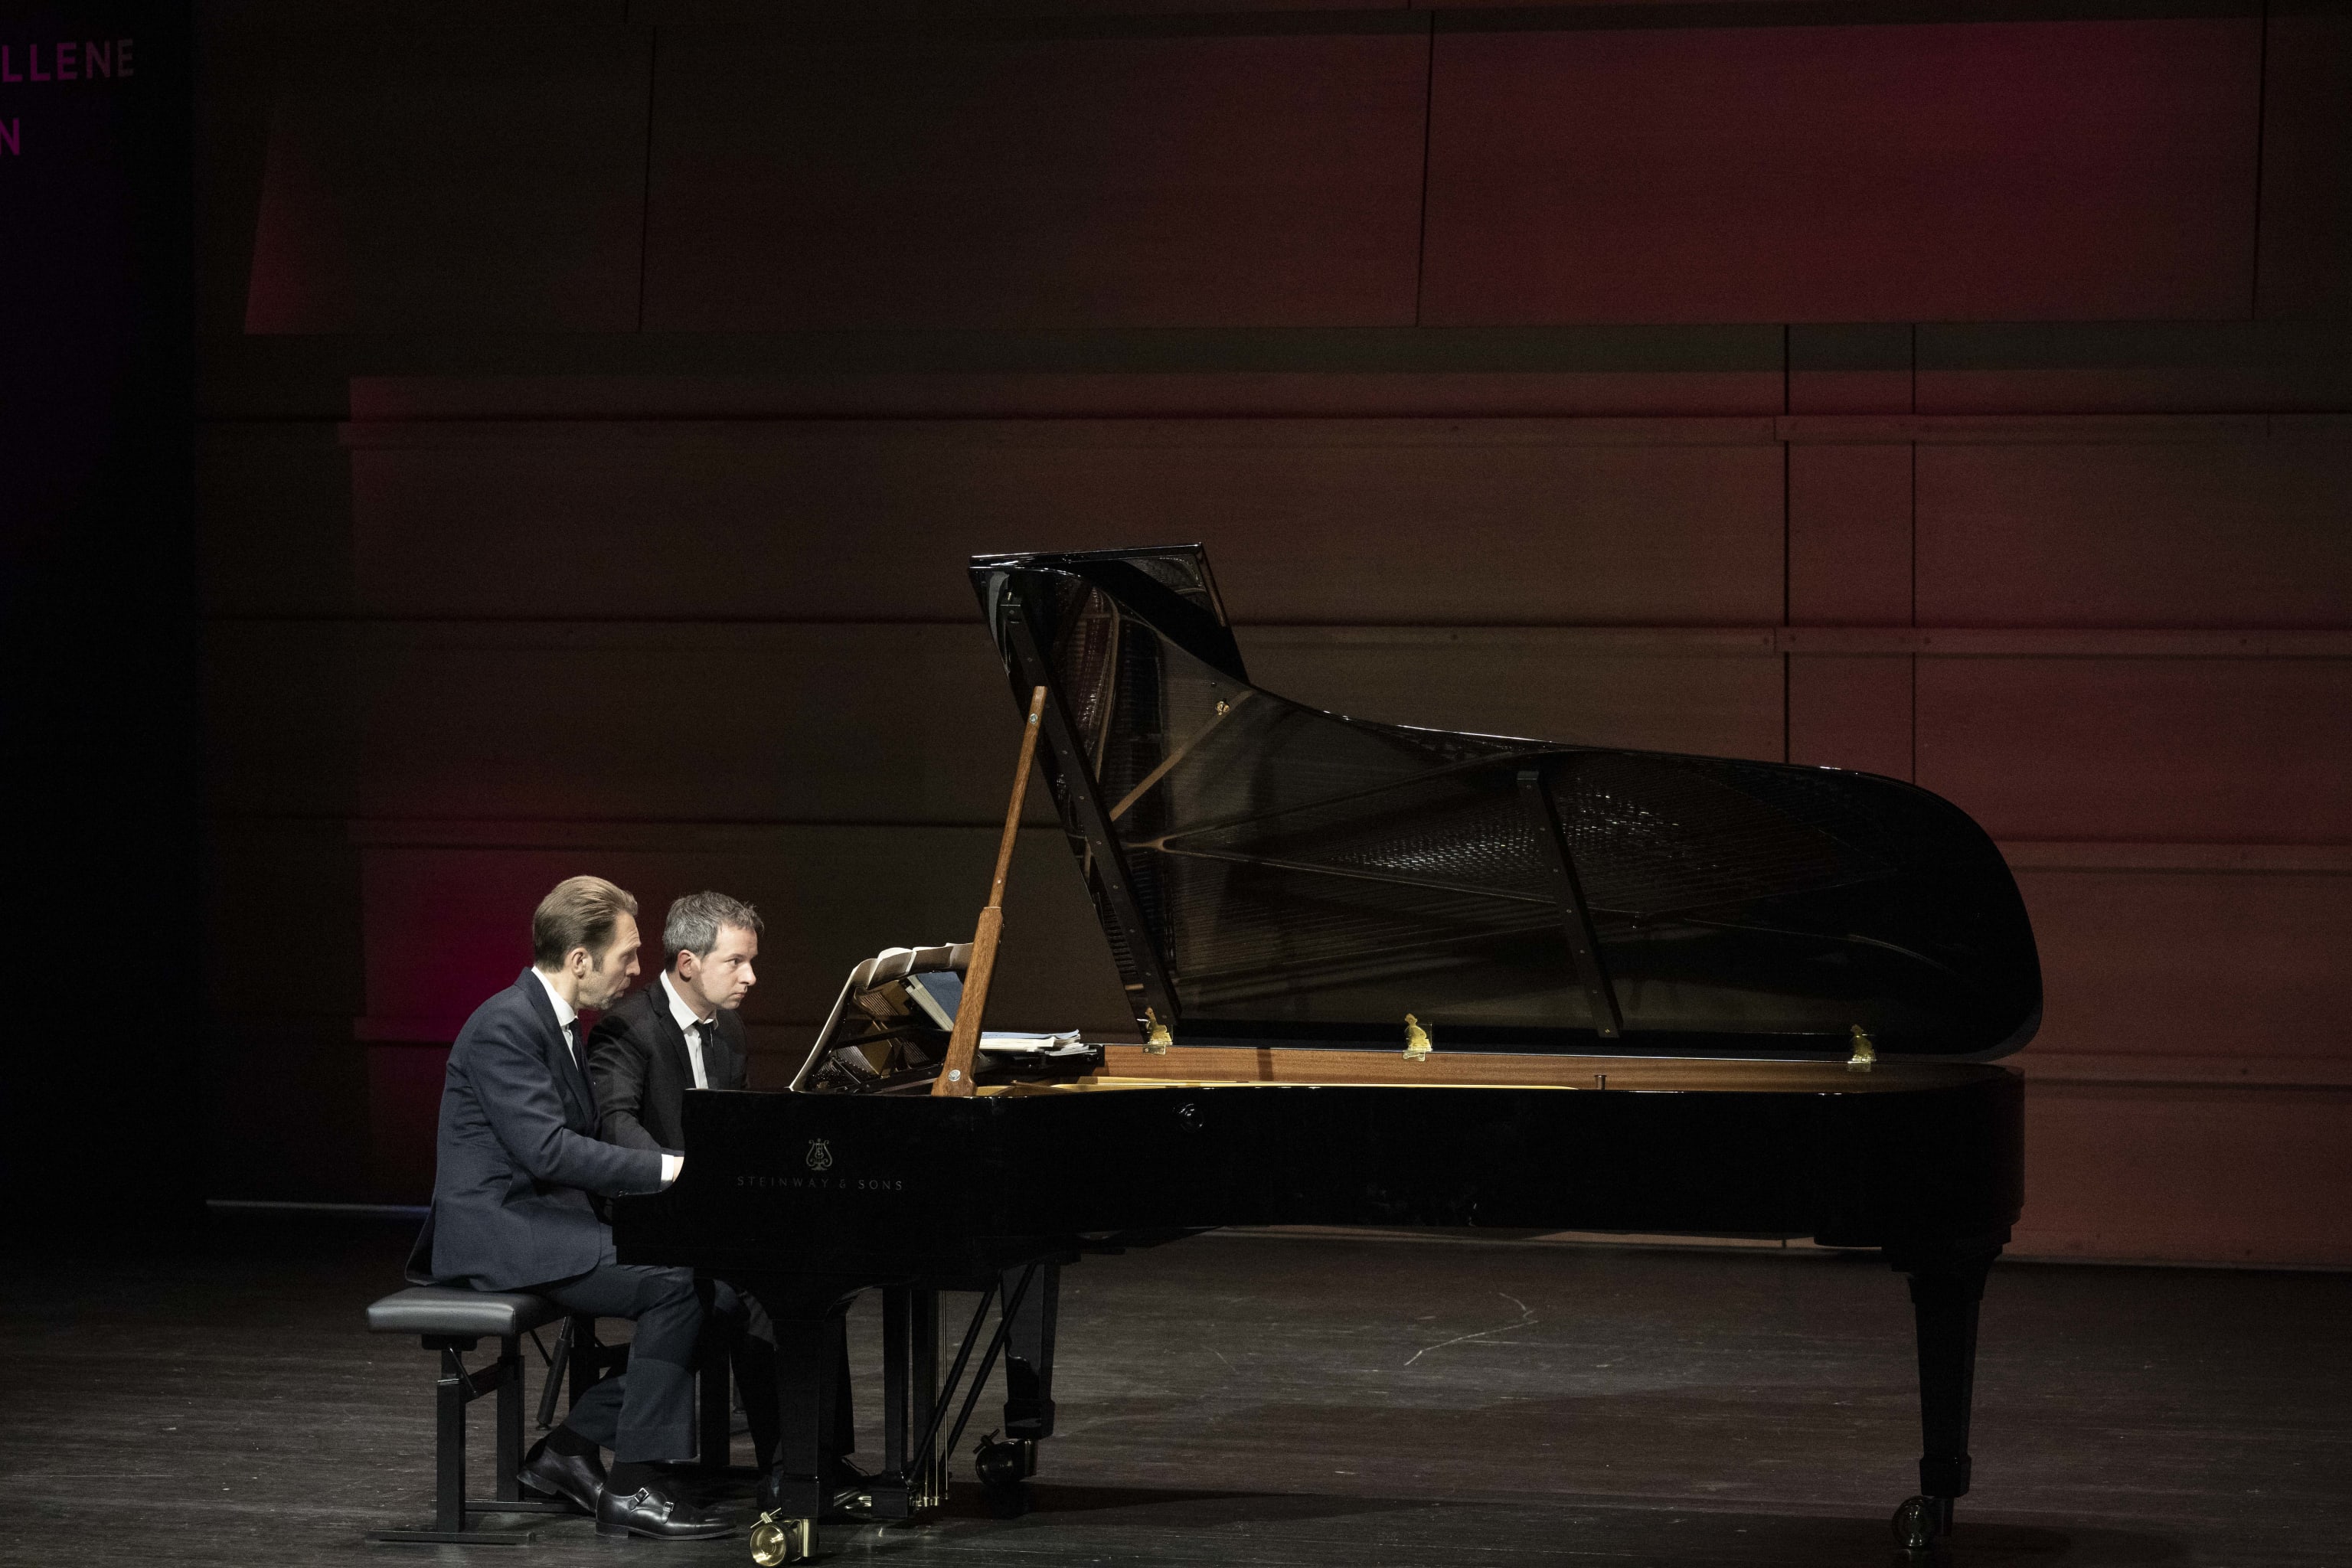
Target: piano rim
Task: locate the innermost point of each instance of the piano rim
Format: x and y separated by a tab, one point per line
1130	1068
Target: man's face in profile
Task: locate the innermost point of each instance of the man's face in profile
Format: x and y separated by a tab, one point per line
607	979
723	977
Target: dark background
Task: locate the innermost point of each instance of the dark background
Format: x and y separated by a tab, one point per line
98	625
597	402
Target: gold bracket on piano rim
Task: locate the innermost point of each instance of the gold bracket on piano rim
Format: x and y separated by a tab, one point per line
1157	1042
1417	1045
1865	1054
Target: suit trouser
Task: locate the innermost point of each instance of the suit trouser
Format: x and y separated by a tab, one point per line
742	1326
647	1412
752	1343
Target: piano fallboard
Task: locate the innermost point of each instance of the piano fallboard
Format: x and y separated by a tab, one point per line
886	1186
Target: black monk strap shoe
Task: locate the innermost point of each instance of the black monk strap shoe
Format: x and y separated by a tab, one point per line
651	1512
551	1474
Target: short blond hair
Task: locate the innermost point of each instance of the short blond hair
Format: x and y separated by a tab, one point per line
582	912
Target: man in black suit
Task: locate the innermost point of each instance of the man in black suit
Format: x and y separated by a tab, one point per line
518	1158
684	1031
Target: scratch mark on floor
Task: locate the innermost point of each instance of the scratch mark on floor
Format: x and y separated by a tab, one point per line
1525	1319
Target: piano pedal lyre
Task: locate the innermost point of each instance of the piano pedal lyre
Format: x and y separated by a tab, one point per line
1417	1045
775	1542
1155	1044
1865	1054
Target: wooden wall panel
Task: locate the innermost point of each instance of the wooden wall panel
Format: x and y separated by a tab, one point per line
461	178
274	519
2135	367
2181	750
281	918
2184	533
1564	373
1584	690
287	1110
1863	367
2306	239
2194	965
1849	535
806	182
1851	711
2187	1175
841	723
572	722
450	660
284	718
1406	521
2001	172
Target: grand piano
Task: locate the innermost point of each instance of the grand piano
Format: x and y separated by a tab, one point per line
1381	975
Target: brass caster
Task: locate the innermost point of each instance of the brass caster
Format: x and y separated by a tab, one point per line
1922	1522
775	1542
999	1464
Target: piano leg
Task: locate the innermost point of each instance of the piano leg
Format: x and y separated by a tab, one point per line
1947	1286
1029	1357
797	1491
910	1390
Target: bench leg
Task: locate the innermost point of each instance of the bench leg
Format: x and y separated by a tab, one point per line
452	1392
509	1489
449	1442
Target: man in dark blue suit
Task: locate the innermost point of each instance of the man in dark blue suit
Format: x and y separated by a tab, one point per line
519	1156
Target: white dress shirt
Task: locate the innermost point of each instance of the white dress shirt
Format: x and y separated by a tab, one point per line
566	1015
693	1027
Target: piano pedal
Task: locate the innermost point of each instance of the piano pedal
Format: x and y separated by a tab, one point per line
776	1542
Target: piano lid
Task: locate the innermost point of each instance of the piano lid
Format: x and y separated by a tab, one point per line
1271	874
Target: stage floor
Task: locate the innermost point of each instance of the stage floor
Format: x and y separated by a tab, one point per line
1254	1400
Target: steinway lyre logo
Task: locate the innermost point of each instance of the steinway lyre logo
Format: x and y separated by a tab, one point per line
820	1158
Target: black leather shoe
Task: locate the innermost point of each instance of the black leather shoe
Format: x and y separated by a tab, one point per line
652	1512
551	1474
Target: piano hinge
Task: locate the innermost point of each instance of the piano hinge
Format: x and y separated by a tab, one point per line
1865	1054
1155	1042
1417	1045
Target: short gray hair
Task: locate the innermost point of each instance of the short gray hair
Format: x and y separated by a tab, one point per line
694	921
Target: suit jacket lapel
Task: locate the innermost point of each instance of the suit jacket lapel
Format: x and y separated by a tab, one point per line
672	1038
570	1077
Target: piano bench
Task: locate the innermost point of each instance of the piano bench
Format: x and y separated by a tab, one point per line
452	1321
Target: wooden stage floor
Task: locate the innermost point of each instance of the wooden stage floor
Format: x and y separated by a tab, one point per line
1247	1400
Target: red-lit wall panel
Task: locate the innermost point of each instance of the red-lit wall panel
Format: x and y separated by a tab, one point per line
687	360
2179	1171
1403	521
2167	749
800	182
2057	170
2222	532
2244	966
477	179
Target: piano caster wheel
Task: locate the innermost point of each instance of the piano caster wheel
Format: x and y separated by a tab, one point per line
1922	1522
1001	1463
775	1542
1005	1468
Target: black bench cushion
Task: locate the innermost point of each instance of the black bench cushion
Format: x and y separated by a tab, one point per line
456	1311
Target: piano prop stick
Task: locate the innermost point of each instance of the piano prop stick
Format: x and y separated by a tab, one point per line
963	1045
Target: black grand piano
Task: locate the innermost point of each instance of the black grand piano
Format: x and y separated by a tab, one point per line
1381	975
